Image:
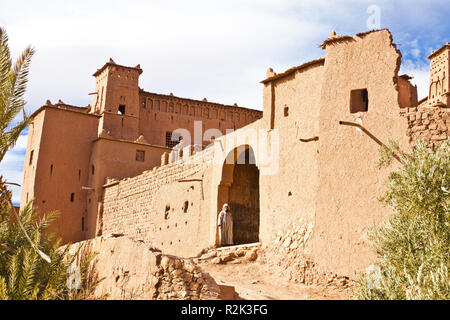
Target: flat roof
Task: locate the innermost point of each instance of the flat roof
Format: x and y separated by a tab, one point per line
61	108
201	101
132	142
112	63
422	100
434	53
406	76
335	39
319	61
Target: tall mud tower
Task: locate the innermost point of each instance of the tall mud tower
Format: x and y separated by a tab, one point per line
116	98
439	86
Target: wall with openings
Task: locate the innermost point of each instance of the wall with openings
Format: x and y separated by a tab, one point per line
165	206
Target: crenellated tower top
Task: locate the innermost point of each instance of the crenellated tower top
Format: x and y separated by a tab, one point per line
439	86
116	89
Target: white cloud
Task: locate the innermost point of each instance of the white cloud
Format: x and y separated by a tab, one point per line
415	52
191	48
195	49
421	76
200	48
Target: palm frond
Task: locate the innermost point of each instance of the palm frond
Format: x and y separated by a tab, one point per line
5	61
23	273
13	84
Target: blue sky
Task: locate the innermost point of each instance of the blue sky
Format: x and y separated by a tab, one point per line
214	49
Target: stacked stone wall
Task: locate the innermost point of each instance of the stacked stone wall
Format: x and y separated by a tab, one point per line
429	123
133	270
164	206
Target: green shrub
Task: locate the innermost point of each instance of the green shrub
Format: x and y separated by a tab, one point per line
413	248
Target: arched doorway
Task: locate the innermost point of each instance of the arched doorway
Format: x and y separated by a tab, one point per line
239	188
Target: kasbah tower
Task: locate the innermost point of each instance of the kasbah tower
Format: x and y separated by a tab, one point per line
114	167
123	133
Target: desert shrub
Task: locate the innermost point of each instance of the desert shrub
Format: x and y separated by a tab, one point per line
413	248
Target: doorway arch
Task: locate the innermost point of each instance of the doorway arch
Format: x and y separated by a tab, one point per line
239	187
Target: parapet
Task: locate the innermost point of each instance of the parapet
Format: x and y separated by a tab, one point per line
441	49
112	63
273	76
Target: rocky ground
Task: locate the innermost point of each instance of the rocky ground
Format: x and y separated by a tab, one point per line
245	272
281	270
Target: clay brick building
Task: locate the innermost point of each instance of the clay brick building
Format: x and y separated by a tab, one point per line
439	86
109	168
71	150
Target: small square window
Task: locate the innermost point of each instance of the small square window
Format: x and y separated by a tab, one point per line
359	101
121	109
31	157
140	155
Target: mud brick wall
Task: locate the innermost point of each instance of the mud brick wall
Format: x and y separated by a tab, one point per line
164	206
134	270
429	123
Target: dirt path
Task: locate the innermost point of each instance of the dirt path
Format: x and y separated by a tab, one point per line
253	280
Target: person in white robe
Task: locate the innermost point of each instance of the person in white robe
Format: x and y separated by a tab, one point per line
225	223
